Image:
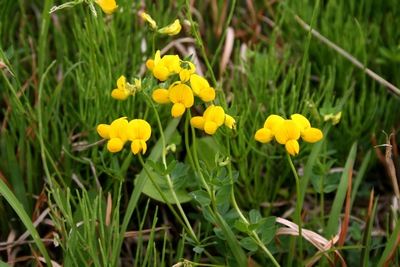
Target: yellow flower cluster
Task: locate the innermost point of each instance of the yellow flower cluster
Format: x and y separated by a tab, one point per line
287	132
182	92
120	131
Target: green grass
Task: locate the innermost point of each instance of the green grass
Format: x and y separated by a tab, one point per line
57	74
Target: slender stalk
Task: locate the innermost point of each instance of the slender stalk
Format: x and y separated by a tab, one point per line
167	176
200	43
298	207
253	234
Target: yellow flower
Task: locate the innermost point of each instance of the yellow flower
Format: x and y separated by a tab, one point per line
230	122
125	89
164	67
108	6
150	20
172	29
266	134
116	133
188	68
201	88
182	97
308	133
213	117
287	133
138	131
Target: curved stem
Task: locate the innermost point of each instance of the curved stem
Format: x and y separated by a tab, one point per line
253	233
167	176
298	207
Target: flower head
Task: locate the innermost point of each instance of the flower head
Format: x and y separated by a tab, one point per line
288	132
201	88
138	131
125	89
116	133
172	29
188	68
120	131
164	67
182	97
108	6
213	117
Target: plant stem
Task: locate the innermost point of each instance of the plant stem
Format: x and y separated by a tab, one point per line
298	207
167	176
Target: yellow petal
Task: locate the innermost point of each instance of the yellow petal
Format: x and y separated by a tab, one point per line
161	96
150	20
207	94
292	146
118	129
104	130
121	83
108	6
215	114
161	72
181	93
172	29
210	127
138	129
150	64
177	110
301	121
287	130
312	135
119	94
230	122
198	83
263	135
198	122
115	145
272	122
172	62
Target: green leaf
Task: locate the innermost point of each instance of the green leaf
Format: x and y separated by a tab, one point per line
198	249
241	226
268	234
248	244
150	190
223	195
207	148
201	197
255	216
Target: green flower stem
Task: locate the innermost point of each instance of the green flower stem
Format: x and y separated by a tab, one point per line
187	145
197	164
200	43
167	176
298	207
185	224
253	235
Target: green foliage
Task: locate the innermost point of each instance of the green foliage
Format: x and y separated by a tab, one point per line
211	200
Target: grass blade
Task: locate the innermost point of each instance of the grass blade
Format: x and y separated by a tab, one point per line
16	205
